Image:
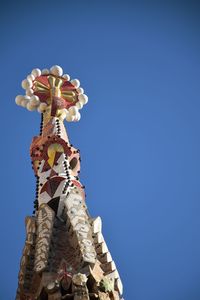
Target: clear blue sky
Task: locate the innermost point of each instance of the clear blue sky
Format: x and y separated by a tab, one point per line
139	136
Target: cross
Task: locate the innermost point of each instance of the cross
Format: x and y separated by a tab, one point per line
55	91
52	93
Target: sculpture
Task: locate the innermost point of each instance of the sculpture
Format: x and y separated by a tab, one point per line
65	255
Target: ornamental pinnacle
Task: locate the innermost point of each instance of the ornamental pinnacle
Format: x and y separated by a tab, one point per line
65	255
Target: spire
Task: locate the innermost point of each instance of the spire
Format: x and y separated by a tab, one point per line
65	255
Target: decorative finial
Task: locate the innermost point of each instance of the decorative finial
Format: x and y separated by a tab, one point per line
51	92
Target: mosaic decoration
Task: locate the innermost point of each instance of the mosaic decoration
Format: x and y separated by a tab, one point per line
65	255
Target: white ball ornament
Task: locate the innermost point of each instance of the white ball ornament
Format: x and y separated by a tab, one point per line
79	105
35	100
73	110
36	72
56	70
26	84
45	72
80	90
19	99
39	110
77	117
30	107
31	77
66	76
83	98
69	118
29	92
24	103
43	106
64	113
27	98
75	82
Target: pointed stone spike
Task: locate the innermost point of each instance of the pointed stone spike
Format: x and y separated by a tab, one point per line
97	225
98	238
119	285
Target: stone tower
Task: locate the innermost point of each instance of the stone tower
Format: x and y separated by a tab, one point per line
65	255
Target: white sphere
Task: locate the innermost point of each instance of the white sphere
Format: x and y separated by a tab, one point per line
24	103
45	72
73	110
79	105
43	106
56	70
36	72
26	84
66	76
31	77
30	107
77	117
83	98
64	113
69	118
39	110
34	100
75	82
19	99
29	92
80	90
27	98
